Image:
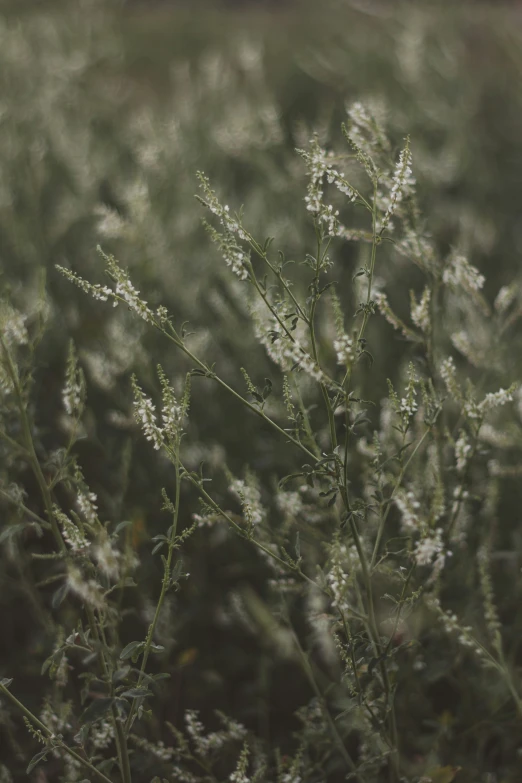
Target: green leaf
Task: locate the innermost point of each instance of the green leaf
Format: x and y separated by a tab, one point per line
130	650
41	756
59	595
136	693
97	709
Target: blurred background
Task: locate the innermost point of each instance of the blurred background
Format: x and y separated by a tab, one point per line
107	110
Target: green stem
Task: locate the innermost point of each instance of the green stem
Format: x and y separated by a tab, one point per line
119	736
49	734
331	723
202	366
384	517
29	445
165	585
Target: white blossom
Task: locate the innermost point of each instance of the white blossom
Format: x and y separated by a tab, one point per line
462	451
420	311
87	589
100	292
86	503
402	184
344	349
250	498
459	272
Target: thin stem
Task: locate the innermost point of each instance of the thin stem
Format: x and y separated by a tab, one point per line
49	734
165	585
400	477
266	550
331	723
29	445
202	366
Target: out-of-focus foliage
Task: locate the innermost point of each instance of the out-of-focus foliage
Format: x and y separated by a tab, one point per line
106	114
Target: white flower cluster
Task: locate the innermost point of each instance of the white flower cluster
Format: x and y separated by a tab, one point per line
12	325
408	404
459	272
344	564
462	451
100	292
451	624
72	534
420	311
402	184
417	248
344	349
145	415
107	558
381	300
505	297
318	167
429	550
125	290
102	734
448	373
235	257
86	503
408	506
476	355
250	498
289	503
240	773
229	223
284	351
87	589
492	400
74	389
206	743
158	749
496	399
239	777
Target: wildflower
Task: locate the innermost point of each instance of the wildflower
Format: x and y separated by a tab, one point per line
250	498
12	325
86	589
86	502
505	297
145	415
448	373
74	390
240	773
73	535
288	352
402	183
344	349
459	272
429	550
381	301
126	290
100	292
102	734
496	399
462	451
235	257
408	404
107	558
408	506
231	224
420	311
290	503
